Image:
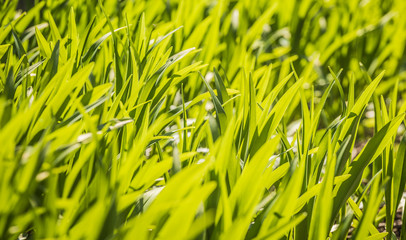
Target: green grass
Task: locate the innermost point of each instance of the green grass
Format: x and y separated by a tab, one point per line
202	119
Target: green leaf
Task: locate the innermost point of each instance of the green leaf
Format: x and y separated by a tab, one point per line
370	152
221	117
3	49
43	44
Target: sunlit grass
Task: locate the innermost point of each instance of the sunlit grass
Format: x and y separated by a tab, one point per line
202	119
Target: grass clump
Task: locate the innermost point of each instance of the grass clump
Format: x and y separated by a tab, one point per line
202	119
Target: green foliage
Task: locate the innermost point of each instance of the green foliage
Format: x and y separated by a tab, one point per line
190	119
